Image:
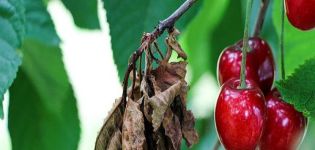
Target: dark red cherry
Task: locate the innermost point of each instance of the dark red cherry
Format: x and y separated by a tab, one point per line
259	63
285	127
240	115
301	13
229	65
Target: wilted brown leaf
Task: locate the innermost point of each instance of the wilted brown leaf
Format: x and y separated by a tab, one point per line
172	42
167	74
160	141
160	102
189	132
133	127
147	109
115	142
172	128
112	123
160	98
136	93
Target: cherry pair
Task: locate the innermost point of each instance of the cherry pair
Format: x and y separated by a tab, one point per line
244	119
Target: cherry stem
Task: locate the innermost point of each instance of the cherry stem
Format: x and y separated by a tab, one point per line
245	45
149	38
261	17
282	41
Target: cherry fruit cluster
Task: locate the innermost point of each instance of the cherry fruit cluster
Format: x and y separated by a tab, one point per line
255	116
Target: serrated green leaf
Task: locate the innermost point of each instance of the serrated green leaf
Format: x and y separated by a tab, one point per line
18	20
42	101
84	13
42	108
9	61
39	24
299	88
128	20
33	126
11	34
298	44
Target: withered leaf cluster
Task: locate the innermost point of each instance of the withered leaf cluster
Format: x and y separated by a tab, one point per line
154	115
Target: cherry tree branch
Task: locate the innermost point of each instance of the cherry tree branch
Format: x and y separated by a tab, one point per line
149	38
261	17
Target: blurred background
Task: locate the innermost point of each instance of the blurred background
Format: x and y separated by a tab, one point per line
96	47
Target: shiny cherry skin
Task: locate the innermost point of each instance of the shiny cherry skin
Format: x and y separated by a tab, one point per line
259	63
261	56
301	13
285	127
229	65
240	115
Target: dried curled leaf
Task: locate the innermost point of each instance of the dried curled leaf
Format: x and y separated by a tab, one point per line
115	142
172	128
149	86
160	140
112	122
189	132
161	102
147	109
133	127
167	74
136	91
172	42
188	120
158	118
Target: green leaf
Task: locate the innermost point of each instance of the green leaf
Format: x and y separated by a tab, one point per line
18	20
9	61
298	44
11	34
84	13
197	39
39	24
6	9
129	19
42	108
299	88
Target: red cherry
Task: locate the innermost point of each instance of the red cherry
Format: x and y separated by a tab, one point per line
240	115
284	127
262	57
259	63
301	13
229	65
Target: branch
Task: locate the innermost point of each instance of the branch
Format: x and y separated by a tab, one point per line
261	17
149	38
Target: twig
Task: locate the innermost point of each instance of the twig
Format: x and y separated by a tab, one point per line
149	38
152	56
217	145
158	49
140	68
134	81
261	17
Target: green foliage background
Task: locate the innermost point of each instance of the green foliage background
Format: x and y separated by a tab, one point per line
29	44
